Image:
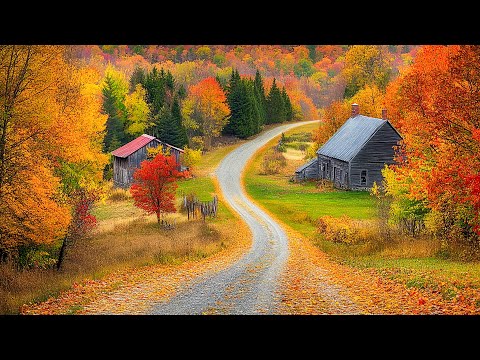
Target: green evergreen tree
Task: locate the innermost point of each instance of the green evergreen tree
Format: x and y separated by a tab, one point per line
275	105
288	105
114	108
164	100
234	100
255	116
180	132
260	96
138	77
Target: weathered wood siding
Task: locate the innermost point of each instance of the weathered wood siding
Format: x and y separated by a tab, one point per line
120	171
123	168
309	172
377	152
334	170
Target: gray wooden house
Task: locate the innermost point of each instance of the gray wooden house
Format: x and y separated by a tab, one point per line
355	155
127	159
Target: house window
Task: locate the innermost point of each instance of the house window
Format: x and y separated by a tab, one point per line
363	178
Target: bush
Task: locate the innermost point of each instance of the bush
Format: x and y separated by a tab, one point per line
191	157
281	148
347	230
272	163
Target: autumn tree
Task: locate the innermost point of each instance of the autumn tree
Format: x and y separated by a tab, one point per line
51	132
434	104
371	100
366	65
138	112
333	118
210	108
153	189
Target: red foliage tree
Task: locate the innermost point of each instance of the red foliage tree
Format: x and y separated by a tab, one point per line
154	185
434	104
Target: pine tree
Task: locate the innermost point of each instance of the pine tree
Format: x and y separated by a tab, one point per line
260	96
254	119
275	105
288	105
138	77
181	138
234	100
112	107
164	101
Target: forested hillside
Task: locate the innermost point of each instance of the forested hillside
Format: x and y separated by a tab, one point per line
155	89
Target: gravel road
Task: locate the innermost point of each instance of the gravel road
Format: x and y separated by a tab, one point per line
250	285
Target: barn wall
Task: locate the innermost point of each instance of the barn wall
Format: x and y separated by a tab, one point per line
120	172
334	170
373	156
310	172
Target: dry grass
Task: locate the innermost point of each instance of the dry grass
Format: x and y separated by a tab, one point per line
406	247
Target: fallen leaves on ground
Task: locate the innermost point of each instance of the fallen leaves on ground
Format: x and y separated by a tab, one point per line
314	284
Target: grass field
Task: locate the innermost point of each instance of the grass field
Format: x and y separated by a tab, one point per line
298	205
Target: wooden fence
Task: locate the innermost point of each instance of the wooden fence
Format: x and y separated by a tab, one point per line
196	208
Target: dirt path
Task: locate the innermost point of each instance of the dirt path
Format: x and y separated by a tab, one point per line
251	284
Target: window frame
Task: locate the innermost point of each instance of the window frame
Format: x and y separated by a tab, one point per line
366	177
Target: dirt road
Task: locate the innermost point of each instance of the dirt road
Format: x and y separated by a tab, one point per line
251	284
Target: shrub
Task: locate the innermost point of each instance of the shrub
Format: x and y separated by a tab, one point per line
281	147
272	163
346	230
191	157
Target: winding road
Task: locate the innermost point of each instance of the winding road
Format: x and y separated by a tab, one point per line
251	284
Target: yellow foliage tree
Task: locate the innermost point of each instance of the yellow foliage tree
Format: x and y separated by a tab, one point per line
50	141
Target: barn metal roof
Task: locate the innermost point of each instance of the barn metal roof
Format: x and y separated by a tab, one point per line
351	137
136	144
132	146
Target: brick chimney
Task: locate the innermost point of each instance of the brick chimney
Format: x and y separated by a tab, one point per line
355	109
384	114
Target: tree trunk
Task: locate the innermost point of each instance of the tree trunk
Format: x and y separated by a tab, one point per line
61	256
158	217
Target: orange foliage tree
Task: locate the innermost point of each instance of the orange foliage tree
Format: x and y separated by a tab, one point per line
154	185
50	142
434	104
210	109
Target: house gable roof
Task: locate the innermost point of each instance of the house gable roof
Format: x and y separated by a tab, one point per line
351	137
136	144
304	166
